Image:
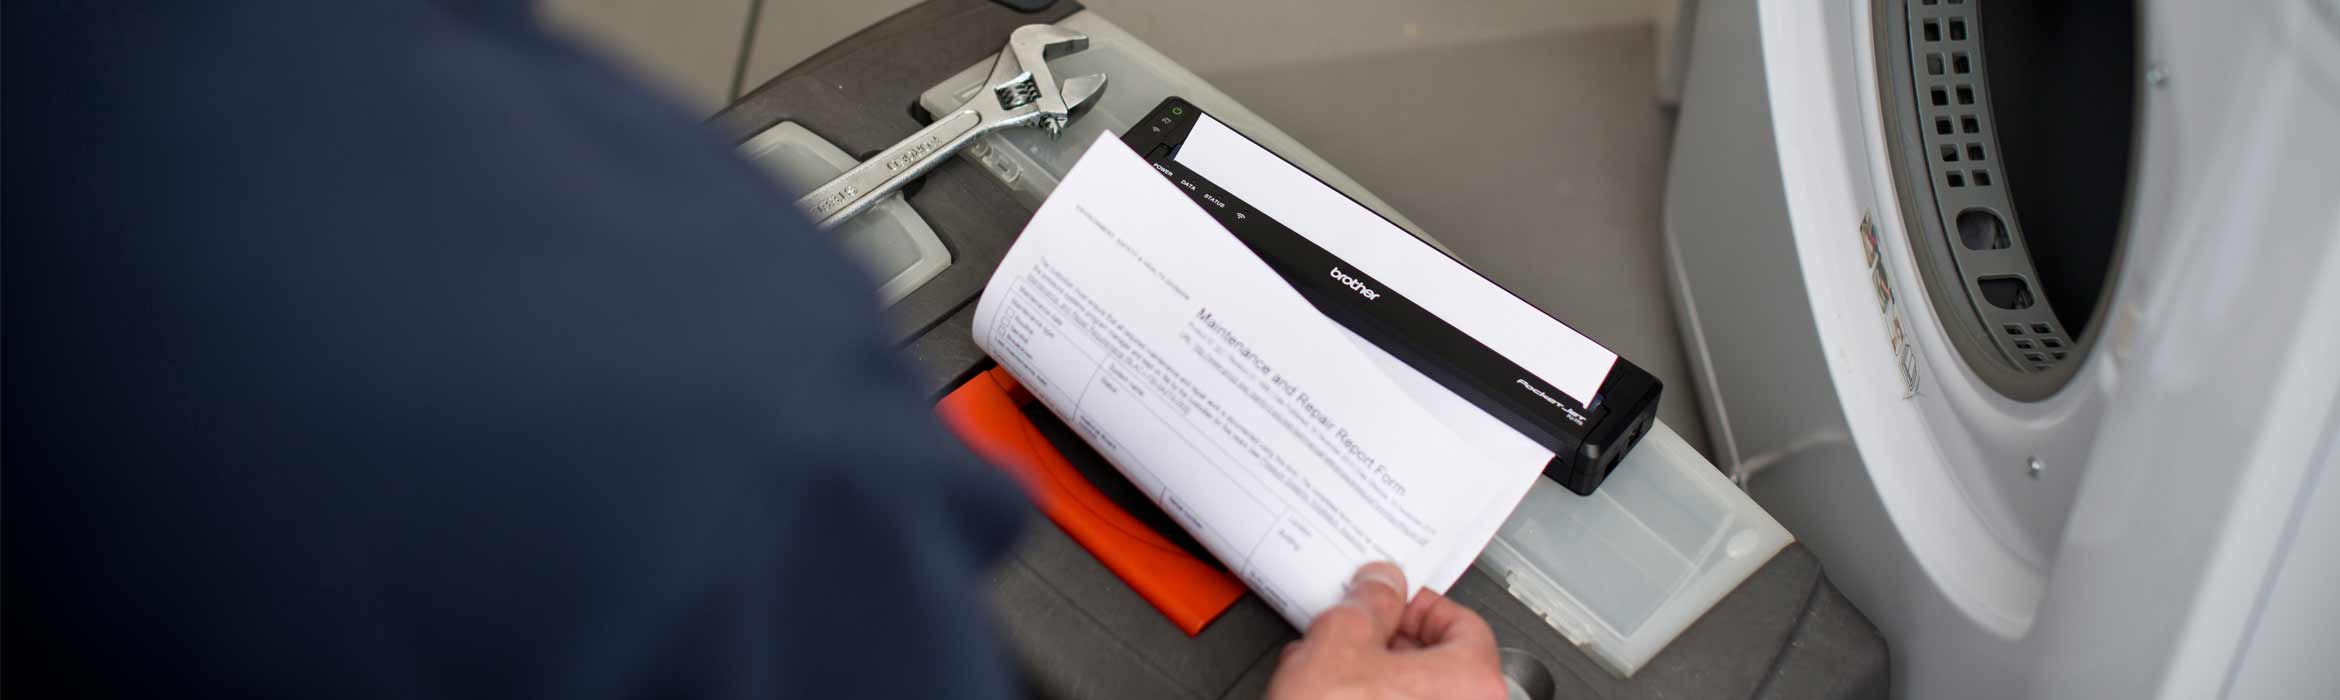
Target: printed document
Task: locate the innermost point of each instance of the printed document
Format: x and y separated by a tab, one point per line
1292	449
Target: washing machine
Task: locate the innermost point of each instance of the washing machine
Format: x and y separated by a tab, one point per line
2026	318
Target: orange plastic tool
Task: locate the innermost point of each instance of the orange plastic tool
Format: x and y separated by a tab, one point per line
987	413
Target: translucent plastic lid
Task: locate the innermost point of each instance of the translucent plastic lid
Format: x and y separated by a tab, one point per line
1625	570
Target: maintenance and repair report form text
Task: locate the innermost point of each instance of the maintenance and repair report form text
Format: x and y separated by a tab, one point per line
1292	449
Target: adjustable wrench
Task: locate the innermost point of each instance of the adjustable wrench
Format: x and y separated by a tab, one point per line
1023	93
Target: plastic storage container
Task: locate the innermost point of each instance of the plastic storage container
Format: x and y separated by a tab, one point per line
1623	571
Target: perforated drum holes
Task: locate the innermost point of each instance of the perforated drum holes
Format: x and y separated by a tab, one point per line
1961	158
2006	292
1980	229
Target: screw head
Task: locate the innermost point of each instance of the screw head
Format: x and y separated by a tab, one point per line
2033	467
2155	76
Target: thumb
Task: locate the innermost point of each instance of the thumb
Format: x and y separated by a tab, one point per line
1368	614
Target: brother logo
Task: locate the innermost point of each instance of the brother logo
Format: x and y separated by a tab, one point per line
1363	290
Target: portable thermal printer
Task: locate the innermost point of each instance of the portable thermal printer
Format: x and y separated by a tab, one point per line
1536	374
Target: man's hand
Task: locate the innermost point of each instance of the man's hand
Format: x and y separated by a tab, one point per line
1374	644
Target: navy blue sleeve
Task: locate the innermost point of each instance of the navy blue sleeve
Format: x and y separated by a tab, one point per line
393	349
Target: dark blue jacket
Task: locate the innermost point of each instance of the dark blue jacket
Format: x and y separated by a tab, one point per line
367	348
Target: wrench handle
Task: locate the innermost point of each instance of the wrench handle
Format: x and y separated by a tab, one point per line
884	174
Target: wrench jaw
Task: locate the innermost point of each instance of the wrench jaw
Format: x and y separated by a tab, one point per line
1026	91
1080	91
1078	94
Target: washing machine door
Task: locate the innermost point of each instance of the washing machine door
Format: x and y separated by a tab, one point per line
2026	318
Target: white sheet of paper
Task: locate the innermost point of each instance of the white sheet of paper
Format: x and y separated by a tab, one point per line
1259	425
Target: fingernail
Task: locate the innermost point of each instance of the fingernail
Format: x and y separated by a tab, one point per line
1383	573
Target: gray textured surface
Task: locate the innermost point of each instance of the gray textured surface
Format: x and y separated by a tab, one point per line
1834	653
